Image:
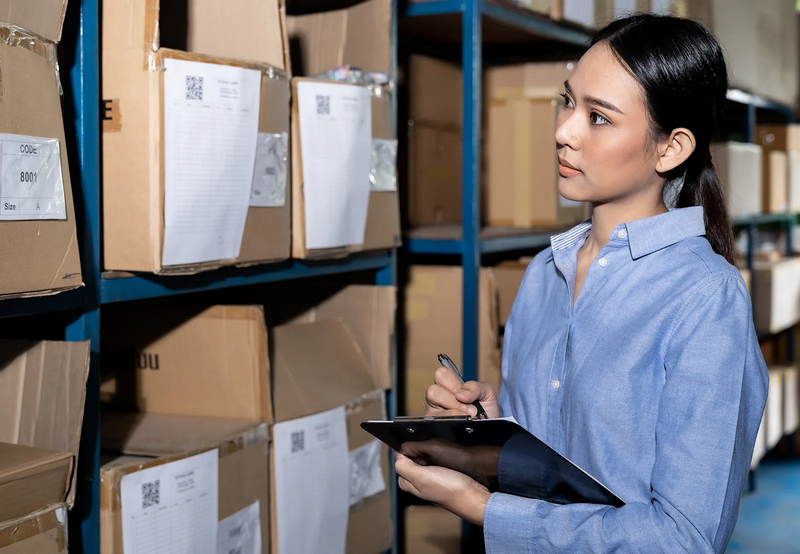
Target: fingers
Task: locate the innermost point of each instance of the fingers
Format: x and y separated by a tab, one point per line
439	400
474	390
447	379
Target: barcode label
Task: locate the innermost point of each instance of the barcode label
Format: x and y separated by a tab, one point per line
323	104
298	441
194	88
151	494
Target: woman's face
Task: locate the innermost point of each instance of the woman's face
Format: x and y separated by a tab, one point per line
603	136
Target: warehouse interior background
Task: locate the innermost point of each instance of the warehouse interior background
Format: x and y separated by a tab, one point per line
197	275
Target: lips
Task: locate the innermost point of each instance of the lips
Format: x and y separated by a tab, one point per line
565	169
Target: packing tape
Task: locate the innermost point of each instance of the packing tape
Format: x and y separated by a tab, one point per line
17	37
416	310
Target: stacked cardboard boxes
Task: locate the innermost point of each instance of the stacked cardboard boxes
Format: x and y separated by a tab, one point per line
739	166
782	144
38	237
42	393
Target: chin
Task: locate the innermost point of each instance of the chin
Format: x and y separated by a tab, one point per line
568	189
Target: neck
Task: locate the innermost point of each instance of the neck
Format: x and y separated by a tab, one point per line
607	216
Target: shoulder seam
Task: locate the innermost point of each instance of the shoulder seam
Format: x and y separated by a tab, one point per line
690	249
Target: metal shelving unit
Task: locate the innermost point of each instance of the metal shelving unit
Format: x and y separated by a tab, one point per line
80	309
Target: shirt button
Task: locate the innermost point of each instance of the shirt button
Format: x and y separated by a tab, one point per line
556	384
602	262
622	233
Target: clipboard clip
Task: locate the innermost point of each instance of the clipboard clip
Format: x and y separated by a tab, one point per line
420	419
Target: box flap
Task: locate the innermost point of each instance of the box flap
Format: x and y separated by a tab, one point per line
358	36
42	395
192	361
317	366
43	17
163	434
46	528
31	479
369	312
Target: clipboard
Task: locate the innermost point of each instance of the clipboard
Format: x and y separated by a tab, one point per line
528	467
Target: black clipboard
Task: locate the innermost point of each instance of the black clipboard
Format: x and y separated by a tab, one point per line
529	467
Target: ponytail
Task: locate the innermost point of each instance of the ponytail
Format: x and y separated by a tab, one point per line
701	187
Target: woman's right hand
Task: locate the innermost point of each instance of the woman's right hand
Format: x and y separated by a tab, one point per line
449	396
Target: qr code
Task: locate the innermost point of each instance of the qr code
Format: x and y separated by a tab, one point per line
323	104
298	441
151	494
194	88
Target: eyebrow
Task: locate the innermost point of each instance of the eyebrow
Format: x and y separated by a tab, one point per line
594	101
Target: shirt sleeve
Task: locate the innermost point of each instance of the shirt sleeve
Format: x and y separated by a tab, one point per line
710	409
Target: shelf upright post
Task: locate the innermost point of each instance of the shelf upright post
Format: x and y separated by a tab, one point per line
750	123
471	64
84	79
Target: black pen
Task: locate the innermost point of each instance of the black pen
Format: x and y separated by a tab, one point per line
445	360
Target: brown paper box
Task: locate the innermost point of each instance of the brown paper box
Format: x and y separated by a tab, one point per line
775	182
778	137
43	532
40	257
188	361
133	141
508	276
432	530
383	215
42	393
433	324
302	388
31	478
777	294
148	440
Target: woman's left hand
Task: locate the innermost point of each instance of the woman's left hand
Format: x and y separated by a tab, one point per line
450	489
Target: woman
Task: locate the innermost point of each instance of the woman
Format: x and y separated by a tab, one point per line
630	348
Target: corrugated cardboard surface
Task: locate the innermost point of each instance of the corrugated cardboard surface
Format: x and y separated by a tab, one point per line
369	312
39	257
42	395
775	182
43	17
432	530
383	212
31	479
243	465
433	325
188	361
133	142
358	36
777	294
739	167
43	532
316	367
778	137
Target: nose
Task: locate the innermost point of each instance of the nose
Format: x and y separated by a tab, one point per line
567	130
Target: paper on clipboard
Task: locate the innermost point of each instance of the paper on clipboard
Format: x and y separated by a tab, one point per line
336	150
210	131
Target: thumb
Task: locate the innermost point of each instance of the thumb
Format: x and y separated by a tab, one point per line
472	391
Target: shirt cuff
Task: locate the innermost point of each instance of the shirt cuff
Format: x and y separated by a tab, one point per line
506	523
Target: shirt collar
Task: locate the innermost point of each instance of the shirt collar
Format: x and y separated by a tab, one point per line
645	236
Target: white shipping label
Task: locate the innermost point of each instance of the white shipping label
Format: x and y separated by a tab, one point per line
383	175
241	532
269	177
172	507
335	144
31	186
366	475
312	468
210	133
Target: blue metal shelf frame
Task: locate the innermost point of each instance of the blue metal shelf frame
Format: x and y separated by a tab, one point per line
82	306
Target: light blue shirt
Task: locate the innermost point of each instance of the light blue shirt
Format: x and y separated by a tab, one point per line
653	382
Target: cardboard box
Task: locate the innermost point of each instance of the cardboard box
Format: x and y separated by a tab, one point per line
791	403
42	532
607	11
432	530
360	36
382	228
774	408
302	388
31	478
739	166
778	137
40	256
508	277
538	6
433	322
42	394
187	361
582	12
151	440
793	178
777	294
134	133
523	172
775	182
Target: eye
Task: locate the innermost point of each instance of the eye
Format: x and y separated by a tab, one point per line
598	119
567	100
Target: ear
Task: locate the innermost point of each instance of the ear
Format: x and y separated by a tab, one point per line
675	150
